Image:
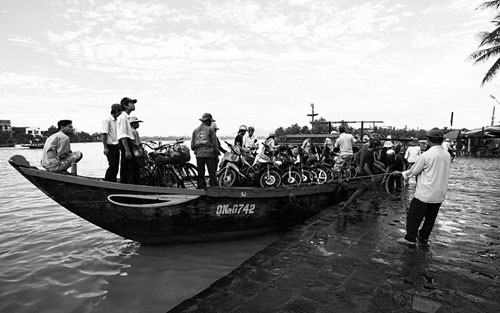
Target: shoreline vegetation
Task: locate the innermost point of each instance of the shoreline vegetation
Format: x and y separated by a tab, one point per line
319	127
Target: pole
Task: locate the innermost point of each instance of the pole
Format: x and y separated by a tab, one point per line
312	115
493	115
451	121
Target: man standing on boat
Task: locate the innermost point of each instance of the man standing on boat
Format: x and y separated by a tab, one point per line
205	146
57	155
345	142
432	169
110	142
129	167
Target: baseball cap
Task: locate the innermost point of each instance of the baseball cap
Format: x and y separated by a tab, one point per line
127	100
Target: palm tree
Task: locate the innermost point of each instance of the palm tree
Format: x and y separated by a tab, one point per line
490	43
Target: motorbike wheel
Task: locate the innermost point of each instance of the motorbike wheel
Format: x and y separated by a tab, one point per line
291	178
271	178
227	178
321	177
307	176
330	174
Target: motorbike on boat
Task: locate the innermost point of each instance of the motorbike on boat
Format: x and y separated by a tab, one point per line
237	168
288	164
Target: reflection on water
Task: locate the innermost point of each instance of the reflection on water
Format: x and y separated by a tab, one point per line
54	261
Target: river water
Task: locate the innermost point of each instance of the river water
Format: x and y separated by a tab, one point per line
53	261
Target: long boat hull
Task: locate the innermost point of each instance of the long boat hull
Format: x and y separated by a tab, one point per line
159	215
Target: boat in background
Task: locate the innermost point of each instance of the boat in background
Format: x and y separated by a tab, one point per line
161	215
33	145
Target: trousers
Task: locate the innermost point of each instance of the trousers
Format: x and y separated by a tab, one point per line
129	168
113	163
211	166
419	211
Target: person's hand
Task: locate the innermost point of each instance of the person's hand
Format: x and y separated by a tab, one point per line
128	155
106	150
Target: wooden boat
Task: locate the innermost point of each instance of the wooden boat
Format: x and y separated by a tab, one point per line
159	215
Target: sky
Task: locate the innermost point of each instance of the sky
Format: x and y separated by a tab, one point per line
254	62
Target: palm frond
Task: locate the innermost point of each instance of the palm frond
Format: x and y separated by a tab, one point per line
491	72
485	54
489	4
489	38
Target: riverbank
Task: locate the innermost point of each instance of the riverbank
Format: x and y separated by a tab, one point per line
348	260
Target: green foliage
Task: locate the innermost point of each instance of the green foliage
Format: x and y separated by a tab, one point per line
384	132
489	46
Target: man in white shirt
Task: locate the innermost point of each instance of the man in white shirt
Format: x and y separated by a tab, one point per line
433	171
249	139
57	155
345	142
413	152
129	167
110	142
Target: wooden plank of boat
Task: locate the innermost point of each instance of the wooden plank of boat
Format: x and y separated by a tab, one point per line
149	201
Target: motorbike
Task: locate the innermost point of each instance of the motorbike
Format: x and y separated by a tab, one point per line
287	163
237	167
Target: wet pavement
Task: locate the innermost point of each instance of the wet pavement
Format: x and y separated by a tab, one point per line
347	259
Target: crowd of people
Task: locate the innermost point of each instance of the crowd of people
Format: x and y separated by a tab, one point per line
122	147
121	140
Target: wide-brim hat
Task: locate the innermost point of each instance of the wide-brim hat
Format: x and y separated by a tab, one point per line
206	117
388	144
134	119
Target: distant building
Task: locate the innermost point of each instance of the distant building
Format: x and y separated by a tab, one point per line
5	126
33	131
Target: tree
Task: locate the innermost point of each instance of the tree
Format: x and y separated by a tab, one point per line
490	43
320	126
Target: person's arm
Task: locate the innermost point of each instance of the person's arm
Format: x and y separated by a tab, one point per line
193	147
121	129
137	139
104	136
379	167
214	141
415	170
105	143
63	148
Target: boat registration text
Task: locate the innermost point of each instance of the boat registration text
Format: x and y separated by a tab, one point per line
226	209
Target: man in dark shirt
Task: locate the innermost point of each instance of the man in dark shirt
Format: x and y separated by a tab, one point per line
395	162
370	166
238	140
206	148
